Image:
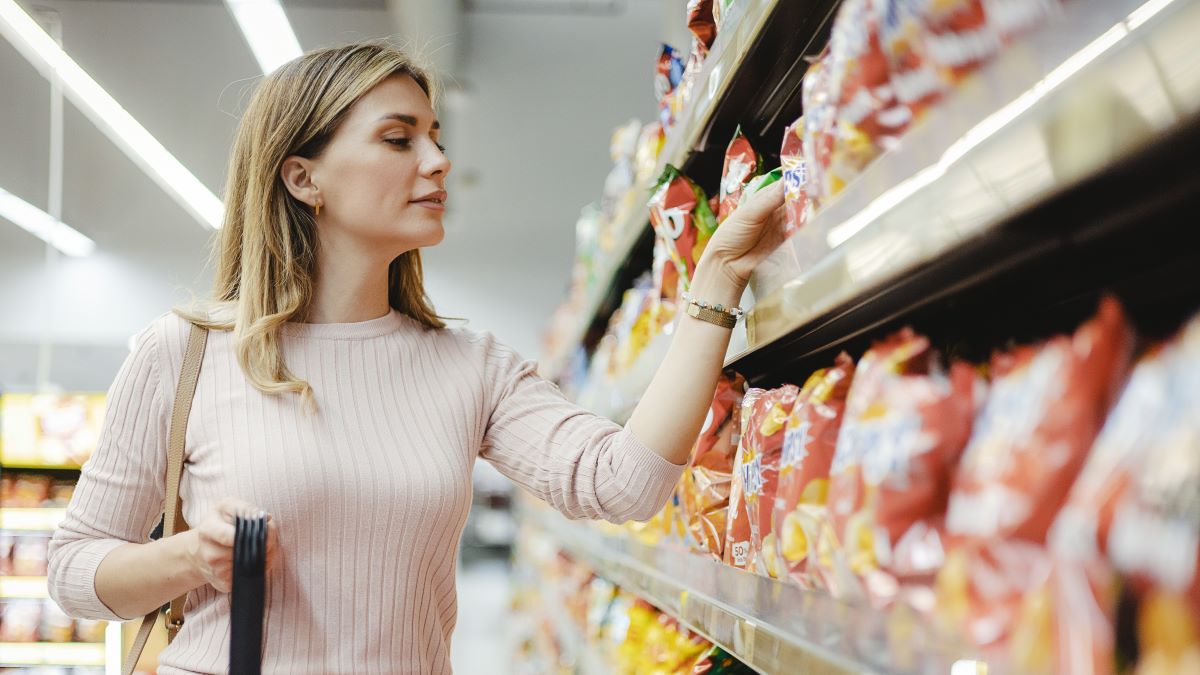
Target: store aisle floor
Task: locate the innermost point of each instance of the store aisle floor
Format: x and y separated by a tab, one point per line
481	641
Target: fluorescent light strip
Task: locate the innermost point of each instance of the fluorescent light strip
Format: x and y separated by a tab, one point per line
267	31
44	226
108	115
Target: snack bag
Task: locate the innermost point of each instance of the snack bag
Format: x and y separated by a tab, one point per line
906	423
649	146
1045	407
1044	411
868	118
681	217
795	177
1066	625
958	37
701	22
667	76
759	182
759	457
808	446
820	110
737	527
903	37
704	487
742	163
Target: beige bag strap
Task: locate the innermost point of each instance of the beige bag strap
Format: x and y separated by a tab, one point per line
173	522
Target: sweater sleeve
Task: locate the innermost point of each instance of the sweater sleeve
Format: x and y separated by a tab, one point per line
120	494
584	465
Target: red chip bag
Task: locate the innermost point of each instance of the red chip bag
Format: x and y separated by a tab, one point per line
742	163
869	119
795	177
1043	413
737	528
1045	407
808	446
958	37
704	489
681	217
906	423
701	22
903	37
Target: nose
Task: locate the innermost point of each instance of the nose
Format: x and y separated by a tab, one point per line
434	162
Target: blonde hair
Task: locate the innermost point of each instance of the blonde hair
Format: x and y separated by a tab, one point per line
266	256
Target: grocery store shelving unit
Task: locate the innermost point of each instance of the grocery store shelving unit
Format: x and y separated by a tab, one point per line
31	521
771	626
762	38
1062	170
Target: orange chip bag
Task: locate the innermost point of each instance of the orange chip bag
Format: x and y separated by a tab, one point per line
808	446
704	489
906	424
759	459
737	528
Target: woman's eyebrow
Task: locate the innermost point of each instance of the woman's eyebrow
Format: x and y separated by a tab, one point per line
407	119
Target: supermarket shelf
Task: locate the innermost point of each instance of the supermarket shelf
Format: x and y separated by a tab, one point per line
31	520
1067	138
767	38
24	587
34	466
771	626
51	654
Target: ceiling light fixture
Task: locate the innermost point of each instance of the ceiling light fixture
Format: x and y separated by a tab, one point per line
267	31
44	226
103	110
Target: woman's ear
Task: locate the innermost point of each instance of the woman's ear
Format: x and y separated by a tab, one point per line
296	173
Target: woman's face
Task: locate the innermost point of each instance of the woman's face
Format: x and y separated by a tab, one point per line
381	180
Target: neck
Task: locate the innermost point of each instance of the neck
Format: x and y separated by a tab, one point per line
351	284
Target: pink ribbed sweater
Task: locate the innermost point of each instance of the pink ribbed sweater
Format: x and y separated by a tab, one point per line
370	494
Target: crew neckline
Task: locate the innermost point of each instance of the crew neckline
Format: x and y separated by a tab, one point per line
356	330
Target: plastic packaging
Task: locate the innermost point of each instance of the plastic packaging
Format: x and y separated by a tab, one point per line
681	217
705	485
759	455
742	162
795	177
808	447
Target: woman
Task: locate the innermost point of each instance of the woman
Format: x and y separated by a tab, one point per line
333	397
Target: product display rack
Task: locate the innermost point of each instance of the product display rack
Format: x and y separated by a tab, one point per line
763	36
771	626
1062	170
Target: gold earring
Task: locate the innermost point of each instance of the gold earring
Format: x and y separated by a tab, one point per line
318	208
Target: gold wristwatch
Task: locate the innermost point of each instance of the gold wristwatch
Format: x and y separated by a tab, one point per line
725	317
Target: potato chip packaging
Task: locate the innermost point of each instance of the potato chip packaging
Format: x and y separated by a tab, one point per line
704	488
649	147
737	527
906	423
742	163
701	22
820	110
1012	18
667	76
759	454
903	38
681	217
1044	410
958	37
759	182
795	177
868	118
809	442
